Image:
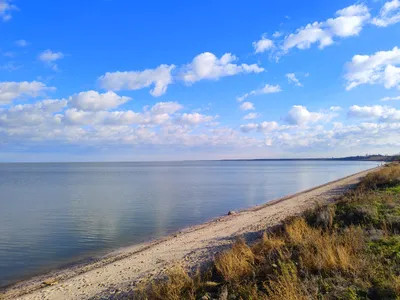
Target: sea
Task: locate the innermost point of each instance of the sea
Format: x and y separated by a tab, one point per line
57	214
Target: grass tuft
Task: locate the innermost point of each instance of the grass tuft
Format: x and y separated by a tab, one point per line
235	264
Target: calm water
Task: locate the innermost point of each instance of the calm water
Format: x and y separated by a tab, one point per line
53	214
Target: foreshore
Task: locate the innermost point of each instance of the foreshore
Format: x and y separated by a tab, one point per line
191	247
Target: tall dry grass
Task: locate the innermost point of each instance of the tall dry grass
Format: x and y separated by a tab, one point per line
327	251
237	263
387	177
286	284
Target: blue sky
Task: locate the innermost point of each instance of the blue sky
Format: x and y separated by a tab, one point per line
117	80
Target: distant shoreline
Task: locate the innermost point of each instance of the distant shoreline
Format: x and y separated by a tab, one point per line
191	246
302	159
382	158
378	157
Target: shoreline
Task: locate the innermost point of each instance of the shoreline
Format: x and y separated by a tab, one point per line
192	246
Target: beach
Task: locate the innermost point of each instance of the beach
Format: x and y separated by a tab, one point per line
191	247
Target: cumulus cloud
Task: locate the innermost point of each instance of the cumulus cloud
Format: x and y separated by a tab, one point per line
166	108
267	89
159	78
381	113
260	127
263	45
379	68
74	116
94	101
32	114
390	98
299	115
277	34
194	119
251	116
248	127
247	106
10	91
328	136
49	57
348	22
207	66
388	15
5	10
293	79
164	124
90	118
161	113
335	108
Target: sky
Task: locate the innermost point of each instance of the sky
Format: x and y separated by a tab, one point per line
118	80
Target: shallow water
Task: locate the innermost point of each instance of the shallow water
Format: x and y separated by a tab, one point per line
52	214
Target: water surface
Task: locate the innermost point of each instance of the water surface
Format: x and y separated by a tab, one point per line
52	214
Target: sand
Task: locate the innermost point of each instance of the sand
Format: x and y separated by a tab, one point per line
191	247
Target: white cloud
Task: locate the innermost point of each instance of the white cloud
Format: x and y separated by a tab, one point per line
268	126
335	108
248	127
166	108
390	98
299	115
5	10
49	57
293	79
207	66
10	91
74	116
251	116
305	37
158	114
379	68
277	34
332	137
21	43
94	101
381	113
348	22
247	106
261	127
32	114
263	45
159	78
388	15
194	119
266	89
391	77
56	121
269	89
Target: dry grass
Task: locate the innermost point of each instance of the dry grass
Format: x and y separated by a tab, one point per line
387	177
267	246
178	285
237	263
286	284
346	250
325	251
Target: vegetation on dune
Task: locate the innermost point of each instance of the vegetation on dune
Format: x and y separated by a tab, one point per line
346	250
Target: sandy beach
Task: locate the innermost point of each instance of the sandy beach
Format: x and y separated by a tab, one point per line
191	247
